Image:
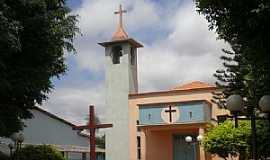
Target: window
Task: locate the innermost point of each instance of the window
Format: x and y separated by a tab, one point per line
149	116
83	156
138	147
190	115
132	56
117	52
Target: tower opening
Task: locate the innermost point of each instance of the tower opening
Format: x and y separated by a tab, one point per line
117	52
132	56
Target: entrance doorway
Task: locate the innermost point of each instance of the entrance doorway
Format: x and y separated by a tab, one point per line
182	150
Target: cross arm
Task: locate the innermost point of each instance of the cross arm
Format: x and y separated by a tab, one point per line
123	11
90	127
80	127
104	125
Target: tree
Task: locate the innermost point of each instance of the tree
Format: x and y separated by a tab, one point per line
38	152
33	37
263	139
101	141
225	140
244	24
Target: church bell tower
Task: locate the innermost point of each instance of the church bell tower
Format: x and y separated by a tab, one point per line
121	80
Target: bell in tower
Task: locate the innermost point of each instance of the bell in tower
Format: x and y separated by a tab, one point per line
121	80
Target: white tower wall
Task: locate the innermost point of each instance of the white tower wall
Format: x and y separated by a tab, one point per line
121	79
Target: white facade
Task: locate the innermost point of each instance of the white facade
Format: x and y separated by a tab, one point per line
46	128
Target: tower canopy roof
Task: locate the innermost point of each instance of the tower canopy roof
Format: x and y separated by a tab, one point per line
120	36
128	40
120	33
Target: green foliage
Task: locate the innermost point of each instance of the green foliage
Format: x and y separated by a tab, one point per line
225	140
244	24
33	36
101	141
3	156
40	152
263	139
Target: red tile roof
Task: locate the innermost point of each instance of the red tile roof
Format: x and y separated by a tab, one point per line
193	85
189	87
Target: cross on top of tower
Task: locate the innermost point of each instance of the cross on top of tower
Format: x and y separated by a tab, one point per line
120	12
120	33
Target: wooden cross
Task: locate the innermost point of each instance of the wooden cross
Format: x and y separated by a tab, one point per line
120	12
170	111
92	126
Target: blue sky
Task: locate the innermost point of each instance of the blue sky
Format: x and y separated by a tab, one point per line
178	48
73	4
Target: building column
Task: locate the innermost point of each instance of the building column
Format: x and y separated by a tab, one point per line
202	152
143	144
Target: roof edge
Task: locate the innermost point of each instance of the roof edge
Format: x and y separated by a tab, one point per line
134	95
54	116
193	84
176	102
129	40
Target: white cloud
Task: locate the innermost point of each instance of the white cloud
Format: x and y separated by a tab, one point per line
184	51
143	15
97	23
97	18
72	103
189	52
191	35
90	55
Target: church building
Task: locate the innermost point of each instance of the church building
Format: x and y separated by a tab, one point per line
152	125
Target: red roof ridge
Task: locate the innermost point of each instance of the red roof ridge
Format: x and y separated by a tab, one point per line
193	85
188	87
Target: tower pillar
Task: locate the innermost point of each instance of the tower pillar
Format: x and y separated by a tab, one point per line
121	80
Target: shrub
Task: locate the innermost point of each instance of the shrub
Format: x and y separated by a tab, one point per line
3	156
39	152
225	140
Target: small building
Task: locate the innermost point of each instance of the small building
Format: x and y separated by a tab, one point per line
47	128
